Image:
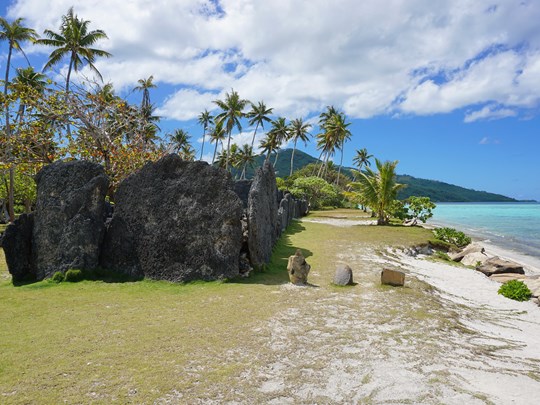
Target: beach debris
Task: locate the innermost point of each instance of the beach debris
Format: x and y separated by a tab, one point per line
469	249
496	265
298	268
392	277
344	275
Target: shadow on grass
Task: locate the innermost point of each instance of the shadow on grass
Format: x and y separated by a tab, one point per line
103	275
275	272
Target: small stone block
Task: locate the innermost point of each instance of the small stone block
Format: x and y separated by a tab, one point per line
343	275
392	277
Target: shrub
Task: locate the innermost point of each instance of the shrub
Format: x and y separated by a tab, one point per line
73	275
450	235
442	245
58	277
515	290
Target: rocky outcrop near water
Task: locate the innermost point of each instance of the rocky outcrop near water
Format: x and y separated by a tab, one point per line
68	221
175	220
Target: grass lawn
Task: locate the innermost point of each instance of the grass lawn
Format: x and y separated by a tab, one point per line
147	341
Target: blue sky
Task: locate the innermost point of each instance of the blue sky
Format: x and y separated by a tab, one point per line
450	89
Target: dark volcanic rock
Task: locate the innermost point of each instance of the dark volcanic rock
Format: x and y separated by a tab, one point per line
344	275
68	220
17	245
262	215
175	220
241	188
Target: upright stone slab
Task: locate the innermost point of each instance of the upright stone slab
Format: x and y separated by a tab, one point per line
17	245
68	219
262	215
175	220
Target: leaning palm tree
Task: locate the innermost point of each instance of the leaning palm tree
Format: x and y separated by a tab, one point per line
74	40
280	133
268	144
144	86
379	190
205	119
298	131
217	135
15	33
231	112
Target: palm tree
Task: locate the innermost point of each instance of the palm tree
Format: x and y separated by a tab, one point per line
298	131
326	142
28	78
179	140
361	158
144	86
245	158
338	129
232	111
205	119
217	135
280	134
15	33
258	115
74	40
268	144
379	190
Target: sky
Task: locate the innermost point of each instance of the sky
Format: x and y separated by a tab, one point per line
450	89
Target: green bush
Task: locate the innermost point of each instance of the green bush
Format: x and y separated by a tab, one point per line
73	275
58	277
515	290
450	235
442	245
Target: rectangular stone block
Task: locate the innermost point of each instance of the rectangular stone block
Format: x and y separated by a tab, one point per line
392	277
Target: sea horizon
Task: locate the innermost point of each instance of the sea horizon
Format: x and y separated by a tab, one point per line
512	226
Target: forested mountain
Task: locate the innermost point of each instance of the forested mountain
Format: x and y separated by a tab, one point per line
436	190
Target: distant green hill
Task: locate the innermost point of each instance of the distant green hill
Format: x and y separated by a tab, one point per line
435	190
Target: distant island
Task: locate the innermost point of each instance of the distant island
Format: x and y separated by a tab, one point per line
436	190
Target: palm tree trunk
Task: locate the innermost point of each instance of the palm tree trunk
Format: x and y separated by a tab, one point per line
319	173
215	150
11	194
254	134
292	156
67	90
11	191
228	152
339	170
202	147
275	161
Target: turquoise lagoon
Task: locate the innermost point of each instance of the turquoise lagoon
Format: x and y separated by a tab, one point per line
514	226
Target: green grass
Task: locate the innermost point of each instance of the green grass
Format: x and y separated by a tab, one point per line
139	341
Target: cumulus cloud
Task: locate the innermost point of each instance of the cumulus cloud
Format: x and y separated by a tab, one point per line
423	57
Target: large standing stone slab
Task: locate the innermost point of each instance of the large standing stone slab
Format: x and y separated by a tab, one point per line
68	219
262	215
17	245
175	220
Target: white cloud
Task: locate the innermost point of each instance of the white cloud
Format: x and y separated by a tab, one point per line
489	113
422	57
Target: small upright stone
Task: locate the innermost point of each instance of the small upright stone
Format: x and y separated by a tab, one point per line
392	277
298	268
343	275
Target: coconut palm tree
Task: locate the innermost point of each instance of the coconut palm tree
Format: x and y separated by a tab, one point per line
74	40
338	129
279	133
15	33
205	119
361	158
258	115
298	131
144	86
379	190
326	142
268	144
28	78
217	135
245	158
179	140
231	112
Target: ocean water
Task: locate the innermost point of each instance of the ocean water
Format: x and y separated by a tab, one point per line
514	226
